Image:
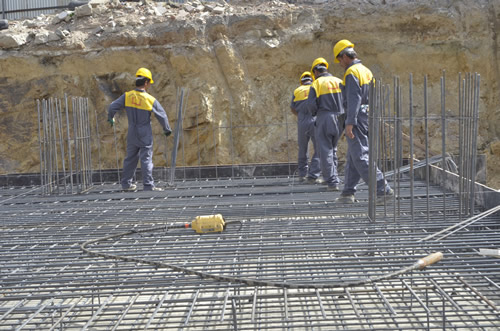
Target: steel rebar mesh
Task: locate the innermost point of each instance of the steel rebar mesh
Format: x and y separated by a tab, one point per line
290	233
287	232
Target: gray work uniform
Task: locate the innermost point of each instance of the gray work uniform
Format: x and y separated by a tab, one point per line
305	133
325	101
356	84
139	105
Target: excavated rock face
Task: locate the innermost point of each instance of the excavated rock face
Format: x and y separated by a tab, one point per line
241	62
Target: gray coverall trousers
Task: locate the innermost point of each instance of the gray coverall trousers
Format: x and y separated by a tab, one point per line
135	153
306	132
357	162
328	131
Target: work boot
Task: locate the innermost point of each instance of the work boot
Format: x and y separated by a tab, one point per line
157	189
310	180
333	188
346	198
131	188
382	198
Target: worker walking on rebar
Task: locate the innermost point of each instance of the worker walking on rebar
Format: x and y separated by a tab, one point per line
139	105
325	102
355	86
305	131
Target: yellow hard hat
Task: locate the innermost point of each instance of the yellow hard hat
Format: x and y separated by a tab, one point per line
319	60
145	73
305	74
339	47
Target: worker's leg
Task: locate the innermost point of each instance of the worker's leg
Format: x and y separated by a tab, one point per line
314	167
129	165
360	159
323	148
336	131
146	155
351	174
303	141
327	130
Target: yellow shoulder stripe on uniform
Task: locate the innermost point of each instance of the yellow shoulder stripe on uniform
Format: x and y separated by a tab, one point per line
139	100
301	93
362	73
327	85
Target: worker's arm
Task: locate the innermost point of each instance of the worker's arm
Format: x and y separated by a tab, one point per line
114	107
353	100
161	116
292	105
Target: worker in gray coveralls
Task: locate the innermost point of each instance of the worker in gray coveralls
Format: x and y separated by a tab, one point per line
305	131
325	102
139	105
355	88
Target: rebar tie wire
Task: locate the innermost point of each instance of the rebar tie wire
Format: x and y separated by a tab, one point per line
420	264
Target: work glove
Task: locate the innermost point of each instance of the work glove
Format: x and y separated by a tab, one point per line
111	121
167	133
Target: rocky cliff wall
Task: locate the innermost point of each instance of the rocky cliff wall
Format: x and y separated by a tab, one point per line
240	62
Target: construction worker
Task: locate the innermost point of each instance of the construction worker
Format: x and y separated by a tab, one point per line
139	105
355	86
325	102
305	131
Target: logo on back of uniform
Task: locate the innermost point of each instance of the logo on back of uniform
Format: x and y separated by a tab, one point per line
301	93
331	86
139	100
136	101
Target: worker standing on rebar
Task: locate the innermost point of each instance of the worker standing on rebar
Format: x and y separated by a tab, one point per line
305	131
139	105
355	86
325	102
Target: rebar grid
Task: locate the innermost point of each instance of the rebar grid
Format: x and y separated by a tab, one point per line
289	232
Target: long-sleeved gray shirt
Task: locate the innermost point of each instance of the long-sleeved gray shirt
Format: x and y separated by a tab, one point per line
139	105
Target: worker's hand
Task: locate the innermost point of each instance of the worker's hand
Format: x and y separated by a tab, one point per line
167	133
348	131
111	121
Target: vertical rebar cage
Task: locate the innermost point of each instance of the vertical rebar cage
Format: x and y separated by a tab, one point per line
392	136
65	145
